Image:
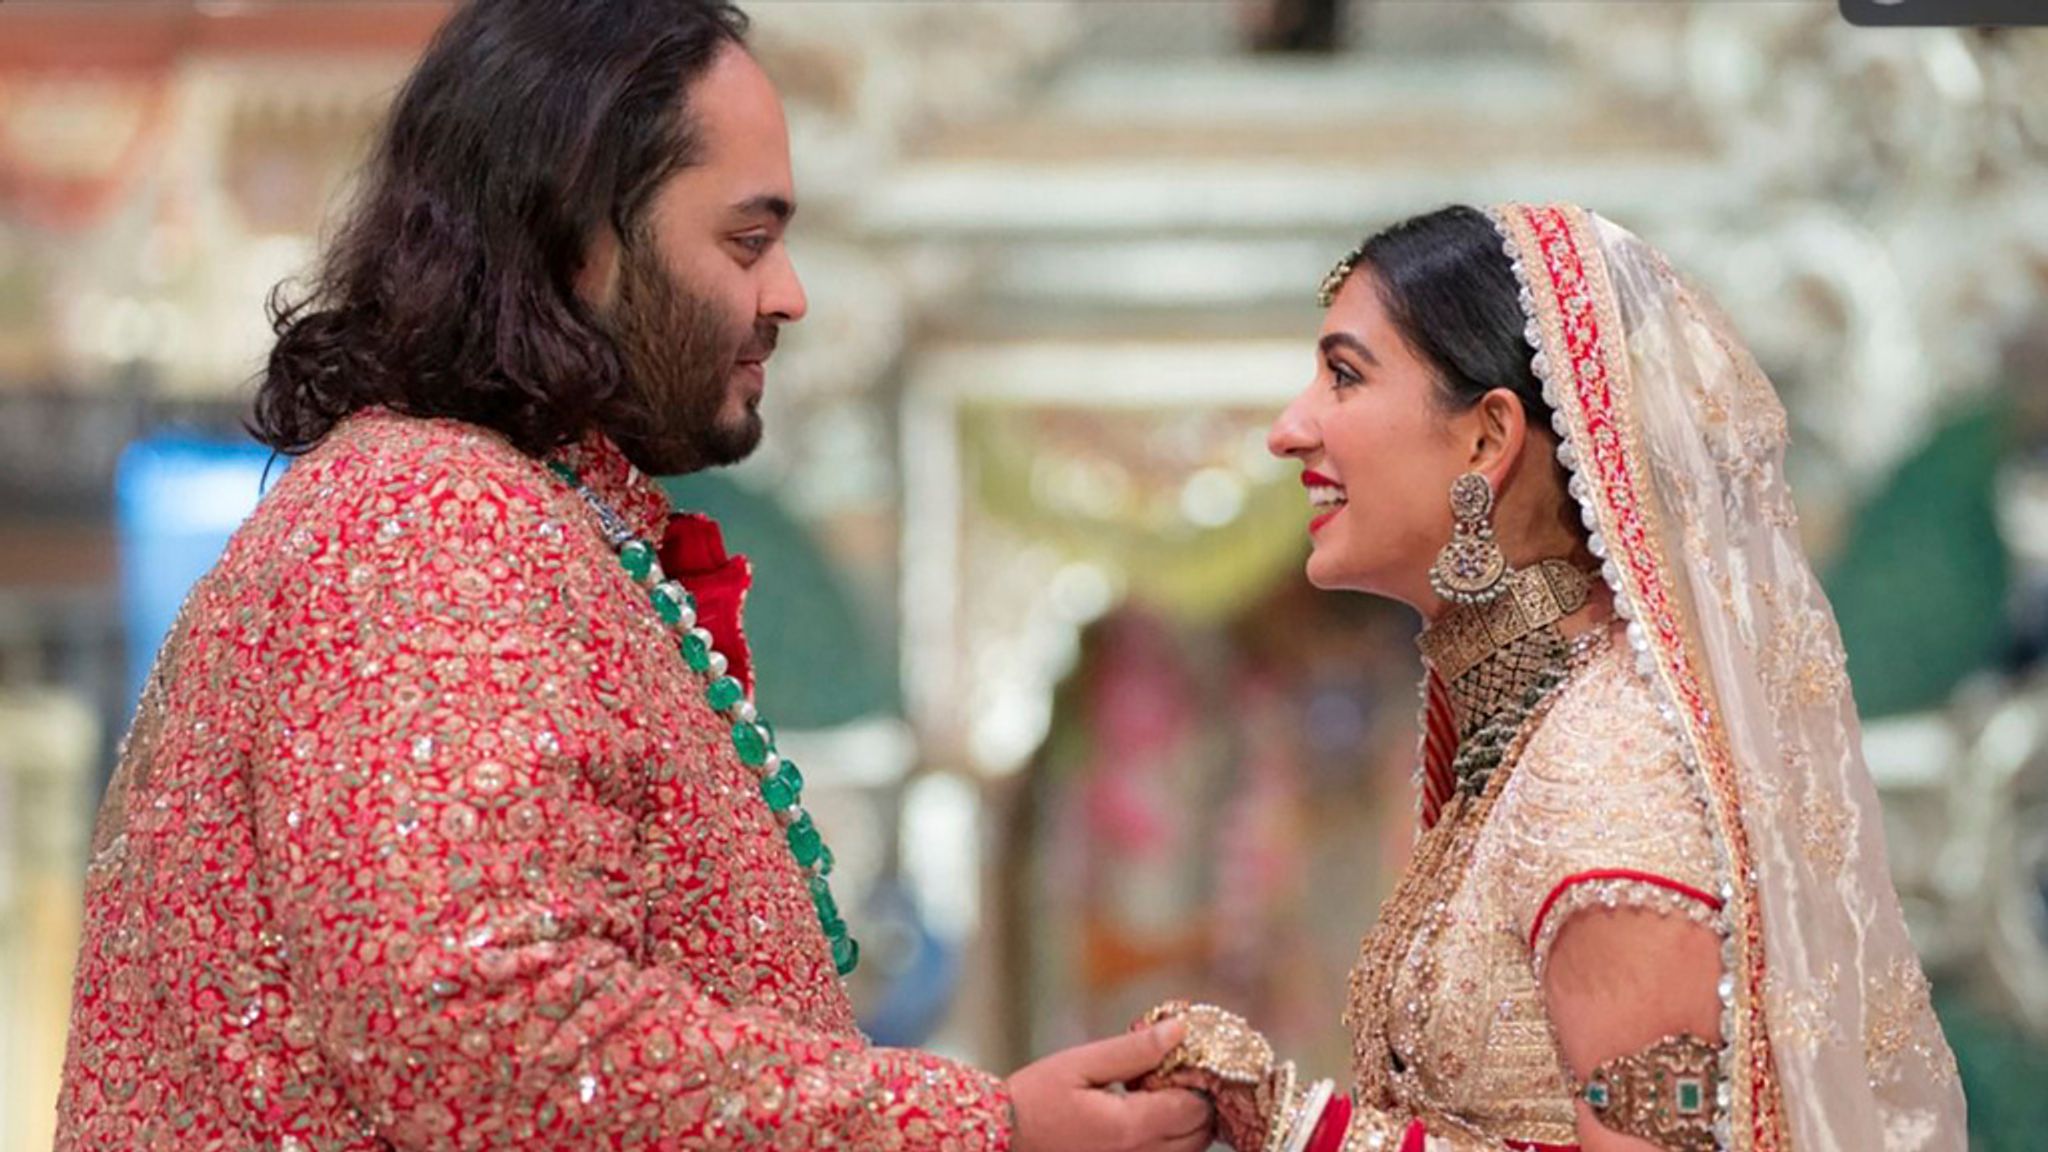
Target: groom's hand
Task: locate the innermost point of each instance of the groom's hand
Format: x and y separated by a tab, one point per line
1066	1102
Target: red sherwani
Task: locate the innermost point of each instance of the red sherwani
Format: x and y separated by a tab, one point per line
425	838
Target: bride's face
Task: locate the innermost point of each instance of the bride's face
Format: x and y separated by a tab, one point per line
1378	453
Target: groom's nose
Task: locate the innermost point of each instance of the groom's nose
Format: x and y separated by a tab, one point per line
782	294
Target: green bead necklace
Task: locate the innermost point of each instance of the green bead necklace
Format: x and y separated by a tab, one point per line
753	738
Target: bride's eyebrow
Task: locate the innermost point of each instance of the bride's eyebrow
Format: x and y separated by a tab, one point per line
1348	341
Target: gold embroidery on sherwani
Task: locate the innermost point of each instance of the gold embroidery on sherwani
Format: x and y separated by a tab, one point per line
428	841
135	756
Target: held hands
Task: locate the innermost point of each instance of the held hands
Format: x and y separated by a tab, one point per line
1224	1059
1260	1104
1063	1103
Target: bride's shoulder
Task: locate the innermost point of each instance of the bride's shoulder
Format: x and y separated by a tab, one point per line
1600	791
1604	722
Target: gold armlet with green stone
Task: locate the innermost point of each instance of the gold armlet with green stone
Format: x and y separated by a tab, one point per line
1667	1093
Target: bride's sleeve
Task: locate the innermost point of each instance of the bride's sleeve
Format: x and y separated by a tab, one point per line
1603	814
1615	884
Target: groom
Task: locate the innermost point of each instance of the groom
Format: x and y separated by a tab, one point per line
447	820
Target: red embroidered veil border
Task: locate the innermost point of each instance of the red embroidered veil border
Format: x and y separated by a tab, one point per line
1675	442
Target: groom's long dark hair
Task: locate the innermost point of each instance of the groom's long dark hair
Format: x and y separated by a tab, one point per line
449	291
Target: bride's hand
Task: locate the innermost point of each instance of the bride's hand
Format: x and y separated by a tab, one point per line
1226	1060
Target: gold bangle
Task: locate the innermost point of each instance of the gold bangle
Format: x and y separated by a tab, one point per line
1280	1102
1314	1101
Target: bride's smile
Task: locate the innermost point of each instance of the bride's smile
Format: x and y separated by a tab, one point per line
1325	496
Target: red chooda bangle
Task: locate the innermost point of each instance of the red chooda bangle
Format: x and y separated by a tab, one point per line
1331	1126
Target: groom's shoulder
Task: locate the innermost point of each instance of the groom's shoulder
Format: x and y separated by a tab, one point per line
384	494
393	468
381	448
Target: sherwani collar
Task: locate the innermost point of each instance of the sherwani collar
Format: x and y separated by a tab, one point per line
637	497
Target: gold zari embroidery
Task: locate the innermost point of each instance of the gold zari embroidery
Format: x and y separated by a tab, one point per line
1218	1042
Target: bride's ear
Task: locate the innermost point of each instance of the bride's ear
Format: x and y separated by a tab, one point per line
1498	428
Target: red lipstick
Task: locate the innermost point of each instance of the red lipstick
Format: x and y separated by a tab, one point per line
1310	478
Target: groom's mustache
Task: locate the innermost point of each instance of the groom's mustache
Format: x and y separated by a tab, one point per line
767	333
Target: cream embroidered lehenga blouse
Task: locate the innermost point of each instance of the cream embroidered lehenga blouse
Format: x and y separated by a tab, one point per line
1596	810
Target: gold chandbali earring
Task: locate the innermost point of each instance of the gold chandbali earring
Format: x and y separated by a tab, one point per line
1471	568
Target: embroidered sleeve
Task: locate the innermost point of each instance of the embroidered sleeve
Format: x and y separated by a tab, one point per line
1615	888
1601	814
457	880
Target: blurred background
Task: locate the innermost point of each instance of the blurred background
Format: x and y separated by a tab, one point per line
1029	603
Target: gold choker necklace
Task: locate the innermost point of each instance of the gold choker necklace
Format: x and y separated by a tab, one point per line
1499	659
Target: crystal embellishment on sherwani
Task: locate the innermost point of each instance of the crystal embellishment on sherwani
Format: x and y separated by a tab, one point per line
428	838
753	739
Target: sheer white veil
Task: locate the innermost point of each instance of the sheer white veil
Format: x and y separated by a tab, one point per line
1675	441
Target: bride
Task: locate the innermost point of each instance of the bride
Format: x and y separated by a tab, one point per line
1648	906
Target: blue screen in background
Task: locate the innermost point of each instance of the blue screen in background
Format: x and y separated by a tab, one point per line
177	499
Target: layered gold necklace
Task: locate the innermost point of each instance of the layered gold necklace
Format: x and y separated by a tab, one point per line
1499	658
1503	663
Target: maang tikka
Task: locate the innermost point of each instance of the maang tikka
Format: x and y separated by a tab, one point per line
1471	568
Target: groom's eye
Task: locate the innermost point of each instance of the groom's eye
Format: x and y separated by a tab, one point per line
754	243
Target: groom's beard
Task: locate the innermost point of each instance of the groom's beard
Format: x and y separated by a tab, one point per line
680	358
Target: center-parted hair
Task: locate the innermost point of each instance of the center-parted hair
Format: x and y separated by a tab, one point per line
527	128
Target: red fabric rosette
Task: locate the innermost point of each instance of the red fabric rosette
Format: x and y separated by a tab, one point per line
693	552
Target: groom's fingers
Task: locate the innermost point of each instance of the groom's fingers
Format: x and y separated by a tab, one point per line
1126	1057
1192	1142
1171	1114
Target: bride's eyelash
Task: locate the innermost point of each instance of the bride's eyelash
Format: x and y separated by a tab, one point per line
1343	376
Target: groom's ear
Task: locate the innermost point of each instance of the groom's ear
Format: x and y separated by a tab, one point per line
597	281
1497	427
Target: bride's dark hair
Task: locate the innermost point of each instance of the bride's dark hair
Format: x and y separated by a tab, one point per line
1450	289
